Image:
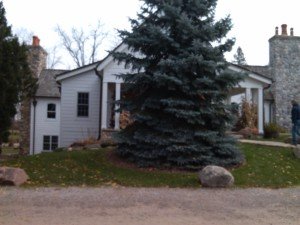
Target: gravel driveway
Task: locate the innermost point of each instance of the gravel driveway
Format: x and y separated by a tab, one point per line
141	206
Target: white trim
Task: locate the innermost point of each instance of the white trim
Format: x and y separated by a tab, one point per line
252	75
76	72
117	114
109	58
260	112
248	95
104	106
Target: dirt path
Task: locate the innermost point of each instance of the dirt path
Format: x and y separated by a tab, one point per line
139	206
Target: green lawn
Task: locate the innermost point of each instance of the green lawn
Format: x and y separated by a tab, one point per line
282	138
266	167
9	151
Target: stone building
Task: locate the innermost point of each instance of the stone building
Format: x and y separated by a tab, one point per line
75	105
284	70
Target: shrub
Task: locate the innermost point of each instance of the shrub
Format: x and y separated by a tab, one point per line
271	130
247	117
59	150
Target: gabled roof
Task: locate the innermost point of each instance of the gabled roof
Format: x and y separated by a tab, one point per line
109	58
77	71
251	73
263	70
47	85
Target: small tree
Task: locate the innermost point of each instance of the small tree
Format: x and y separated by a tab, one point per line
15	77
178	85
239	57
248	116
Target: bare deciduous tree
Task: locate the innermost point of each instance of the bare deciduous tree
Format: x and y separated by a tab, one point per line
24	35
82	46
54	58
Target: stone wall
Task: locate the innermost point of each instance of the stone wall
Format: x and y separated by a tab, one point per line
37	59
285	69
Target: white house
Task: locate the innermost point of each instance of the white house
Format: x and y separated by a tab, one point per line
75	105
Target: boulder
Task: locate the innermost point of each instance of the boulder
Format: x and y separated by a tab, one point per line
12	176
216	177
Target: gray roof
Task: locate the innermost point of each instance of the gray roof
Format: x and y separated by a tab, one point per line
47	85
263	70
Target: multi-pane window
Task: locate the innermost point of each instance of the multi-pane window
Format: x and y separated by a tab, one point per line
51	111
83	104
50	143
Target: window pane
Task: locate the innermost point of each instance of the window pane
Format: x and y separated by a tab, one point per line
51	113
83	105
46	143
54	144
51	107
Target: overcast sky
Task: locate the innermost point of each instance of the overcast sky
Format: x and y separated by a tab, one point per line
254	20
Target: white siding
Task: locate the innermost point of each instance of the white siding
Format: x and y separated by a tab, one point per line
268	112
43	125
113	69
75	128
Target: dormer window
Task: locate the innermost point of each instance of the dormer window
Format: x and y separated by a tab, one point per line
51	111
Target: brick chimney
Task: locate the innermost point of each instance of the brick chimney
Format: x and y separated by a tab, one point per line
35	41
284	30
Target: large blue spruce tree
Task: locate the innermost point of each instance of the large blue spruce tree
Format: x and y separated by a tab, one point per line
177	90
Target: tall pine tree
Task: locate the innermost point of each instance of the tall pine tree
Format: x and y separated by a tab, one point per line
239	57
15	77
177	89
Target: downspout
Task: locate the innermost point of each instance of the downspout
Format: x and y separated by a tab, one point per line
34	102
101	101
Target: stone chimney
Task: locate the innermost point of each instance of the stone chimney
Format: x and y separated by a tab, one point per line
37	59
284	30
285	69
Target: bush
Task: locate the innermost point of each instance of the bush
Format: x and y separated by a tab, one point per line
59	150
247	117
271	130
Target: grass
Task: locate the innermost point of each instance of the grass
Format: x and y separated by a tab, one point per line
282	138
266	167
9	151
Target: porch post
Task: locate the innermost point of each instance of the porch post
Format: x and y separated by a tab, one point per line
104	105
248	94
117	114
260	112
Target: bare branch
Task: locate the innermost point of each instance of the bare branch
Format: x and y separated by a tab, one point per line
82	46
53	58
24	35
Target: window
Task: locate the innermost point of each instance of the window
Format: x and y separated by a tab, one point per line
83	105
50	143
51	111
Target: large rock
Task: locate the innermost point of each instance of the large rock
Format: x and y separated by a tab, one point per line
12	176
216	177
